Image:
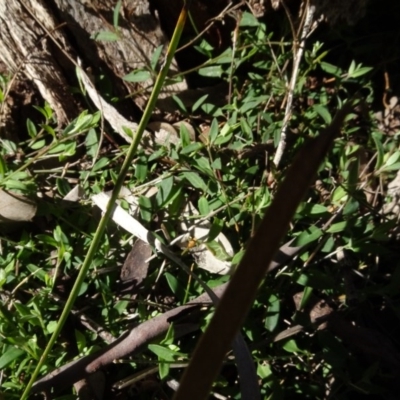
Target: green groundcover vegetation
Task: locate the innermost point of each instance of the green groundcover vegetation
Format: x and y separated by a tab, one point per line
338	295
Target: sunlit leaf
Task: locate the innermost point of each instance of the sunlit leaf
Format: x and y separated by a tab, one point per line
106	36
11	354
137	76
213	71
272	316
195	180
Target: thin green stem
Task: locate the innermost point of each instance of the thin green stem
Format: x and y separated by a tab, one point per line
120	180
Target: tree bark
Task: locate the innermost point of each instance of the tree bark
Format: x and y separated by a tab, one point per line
41	39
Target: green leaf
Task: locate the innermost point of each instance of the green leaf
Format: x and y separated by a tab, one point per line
309	235
351	207
46	111
3	277
155	57
222	139
128	131
3	167
225	57
80	340
353	167
307	293
164	191
211	109
117	9
9	146
192	148
51	326
63	186
49	130
170	336
360	72
194	179
331	69
204	48
309	209
203	206
248	20
20	175
145	208
60	236
218	250
176	200
13	184
31	128
139	75
315	279
100	164
69	150
264	371
338	227
43	238
184	136
323	112
377	137
83	288
252	104
356	71
92	143
393	167
392	159
161	152
164	353
213	71
57	149
272	316
11	354
83	122
246	129
217	164
339	195
351	68
199	102
180	104
106	36
38	144
22	309
163	369
173	283
291	347
214	129
121	306
203	165
216	229
141	169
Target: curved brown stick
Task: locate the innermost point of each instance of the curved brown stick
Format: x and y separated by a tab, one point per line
129	343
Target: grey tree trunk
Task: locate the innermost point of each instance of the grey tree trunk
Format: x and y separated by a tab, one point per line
40	40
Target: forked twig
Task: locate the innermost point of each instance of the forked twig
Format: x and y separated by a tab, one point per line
298	54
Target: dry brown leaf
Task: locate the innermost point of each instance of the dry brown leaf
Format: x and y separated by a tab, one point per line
15	208
135	267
